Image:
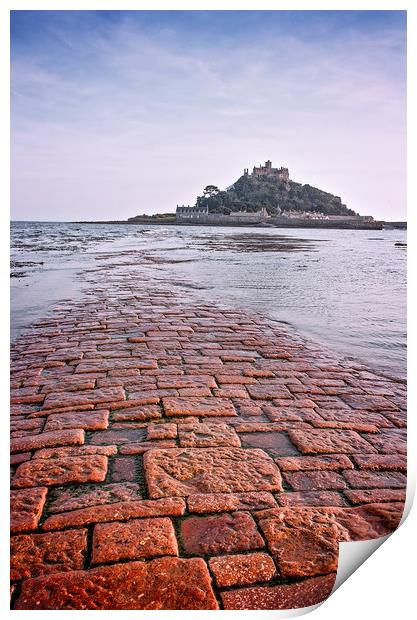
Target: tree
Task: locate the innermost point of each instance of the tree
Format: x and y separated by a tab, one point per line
211	190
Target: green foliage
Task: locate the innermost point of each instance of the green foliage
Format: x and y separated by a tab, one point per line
211	190
251	194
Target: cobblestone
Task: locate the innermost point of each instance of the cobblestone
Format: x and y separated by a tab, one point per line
138	413
40	554
138	538
240	570
220	534
163	584
304	594
26	508
187	471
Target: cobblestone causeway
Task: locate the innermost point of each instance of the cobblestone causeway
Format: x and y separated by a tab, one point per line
168	453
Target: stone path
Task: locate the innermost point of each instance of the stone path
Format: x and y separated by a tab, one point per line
168	454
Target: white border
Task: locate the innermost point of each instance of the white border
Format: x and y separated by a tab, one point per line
383	586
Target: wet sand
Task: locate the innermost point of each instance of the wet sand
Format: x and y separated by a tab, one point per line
175	454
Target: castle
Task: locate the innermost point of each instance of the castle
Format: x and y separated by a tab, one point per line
268	172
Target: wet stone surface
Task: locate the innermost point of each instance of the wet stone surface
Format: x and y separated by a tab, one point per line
276	444
239	570
174	454
84	496
138	538
166	583
60	471
40	554
205	435
188	471
216	535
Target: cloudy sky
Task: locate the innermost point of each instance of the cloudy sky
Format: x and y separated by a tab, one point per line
116	113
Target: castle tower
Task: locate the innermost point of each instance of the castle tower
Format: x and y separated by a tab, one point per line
268	164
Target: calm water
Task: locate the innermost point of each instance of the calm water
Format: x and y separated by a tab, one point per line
346	289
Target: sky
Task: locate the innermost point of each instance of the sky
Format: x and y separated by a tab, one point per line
119	113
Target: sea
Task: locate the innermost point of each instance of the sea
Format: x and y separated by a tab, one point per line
345	289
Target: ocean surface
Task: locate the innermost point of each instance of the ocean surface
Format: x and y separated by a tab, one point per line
343	288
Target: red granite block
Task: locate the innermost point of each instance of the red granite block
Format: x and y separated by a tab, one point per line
203	360
369	402
92	421
70	384
221	534
162	584
257	372
39	472
311	498
115	365
29	399
298	403
57	453
188	471
123	469
144	446
137	538
277	444
377	462
399	418
371	480
21	457
225	502
303	594
138	393
288	414
145	412
364	522
256	426
231	392
355	417
325	441
65	355
205	435
328	462
234	379
268	392
240	570
83	496
43	440
186	381
85	397
371	496
117	511
43	413
117	437
33	555
196	391
26	410
26	508
315	480
353	426
161	431
198	407
369	521
303	544
389	442
26	424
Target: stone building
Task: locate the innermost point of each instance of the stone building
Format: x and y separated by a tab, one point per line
191	213
202	215
268	172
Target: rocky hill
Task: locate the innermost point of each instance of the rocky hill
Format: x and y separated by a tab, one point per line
251	193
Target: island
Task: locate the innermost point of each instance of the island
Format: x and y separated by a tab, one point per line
266	197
